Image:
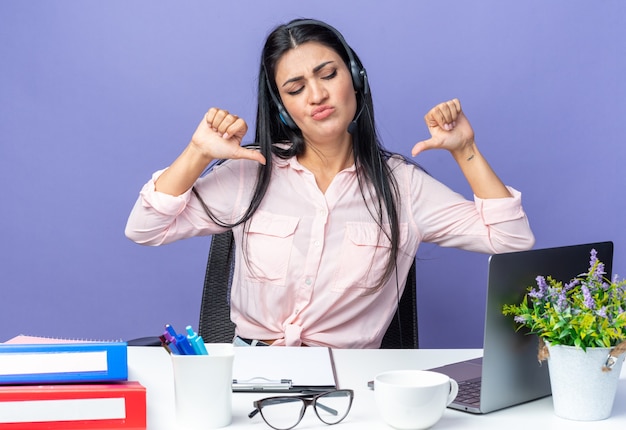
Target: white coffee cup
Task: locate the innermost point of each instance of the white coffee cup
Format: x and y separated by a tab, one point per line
203	387
413	399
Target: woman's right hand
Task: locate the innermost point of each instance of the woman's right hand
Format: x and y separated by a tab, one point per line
219	136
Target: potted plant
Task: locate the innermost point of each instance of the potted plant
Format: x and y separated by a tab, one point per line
581	325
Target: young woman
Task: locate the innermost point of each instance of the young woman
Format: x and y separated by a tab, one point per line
327	222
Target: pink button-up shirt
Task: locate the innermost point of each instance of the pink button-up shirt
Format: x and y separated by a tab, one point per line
311	258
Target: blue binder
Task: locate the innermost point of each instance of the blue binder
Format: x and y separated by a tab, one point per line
63	363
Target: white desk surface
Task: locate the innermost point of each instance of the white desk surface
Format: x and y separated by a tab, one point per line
152	367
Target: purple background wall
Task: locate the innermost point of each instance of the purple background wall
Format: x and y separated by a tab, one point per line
94	96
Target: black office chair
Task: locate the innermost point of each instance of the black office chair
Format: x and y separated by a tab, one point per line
215	324
402	332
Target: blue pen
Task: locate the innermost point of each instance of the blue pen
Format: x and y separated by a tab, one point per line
196	341
171	330
184	346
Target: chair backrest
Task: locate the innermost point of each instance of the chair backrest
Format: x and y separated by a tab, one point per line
402	332
215	324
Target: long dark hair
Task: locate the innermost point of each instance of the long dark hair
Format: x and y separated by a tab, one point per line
376	180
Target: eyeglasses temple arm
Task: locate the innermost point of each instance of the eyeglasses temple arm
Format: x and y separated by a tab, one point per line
326	408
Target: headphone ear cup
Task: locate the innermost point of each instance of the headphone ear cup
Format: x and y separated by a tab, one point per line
286	119
363	81
357	76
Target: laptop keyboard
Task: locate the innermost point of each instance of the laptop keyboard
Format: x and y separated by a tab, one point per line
469	392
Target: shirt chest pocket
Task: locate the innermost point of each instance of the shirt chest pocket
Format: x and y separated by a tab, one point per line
269	242
364	256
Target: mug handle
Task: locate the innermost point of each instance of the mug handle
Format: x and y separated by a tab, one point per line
454	390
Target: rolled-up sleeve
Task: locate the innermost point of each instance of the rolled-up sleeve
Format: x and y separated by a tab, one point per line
153	215
508	225
446	218
165	204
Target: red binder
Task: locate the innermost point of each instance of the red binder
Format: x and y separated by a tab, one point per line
73	406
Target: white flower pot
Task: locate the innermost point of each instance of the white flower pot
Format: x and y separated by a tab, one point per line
580	389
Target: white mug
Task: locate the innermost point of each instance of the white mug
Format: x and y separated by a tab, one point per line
203	387
413	399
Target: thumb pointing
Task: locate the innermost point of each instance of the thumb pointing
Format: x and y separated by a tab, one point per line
419	147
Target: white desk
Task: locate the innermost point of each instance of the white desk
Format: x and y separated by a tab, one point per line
152	367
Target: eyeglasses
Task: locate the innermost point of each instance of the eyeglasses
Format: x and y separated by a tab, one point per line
286	412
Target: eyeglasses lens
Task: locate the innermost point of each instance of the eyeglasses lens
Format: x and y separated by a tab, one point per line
282	413
334	406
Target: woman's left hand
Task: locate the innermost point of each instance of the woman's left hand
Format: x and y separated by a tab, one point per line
449	129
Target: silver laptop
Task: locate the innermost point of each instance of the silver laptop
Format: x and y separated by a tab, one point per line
508	372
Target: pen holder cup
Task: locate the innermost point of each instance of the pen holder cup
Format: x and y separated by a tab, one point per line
203	387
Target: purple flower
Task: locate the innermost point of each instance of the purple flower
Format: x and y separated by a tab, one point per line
593	259
602	312
520	319
541	292
561	301
598	274
588	299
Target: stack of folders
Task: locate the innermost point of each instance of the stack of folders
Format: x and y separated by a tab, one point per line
56	384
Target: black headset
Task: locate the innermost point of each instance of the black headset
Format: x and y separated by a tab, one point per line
359	75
